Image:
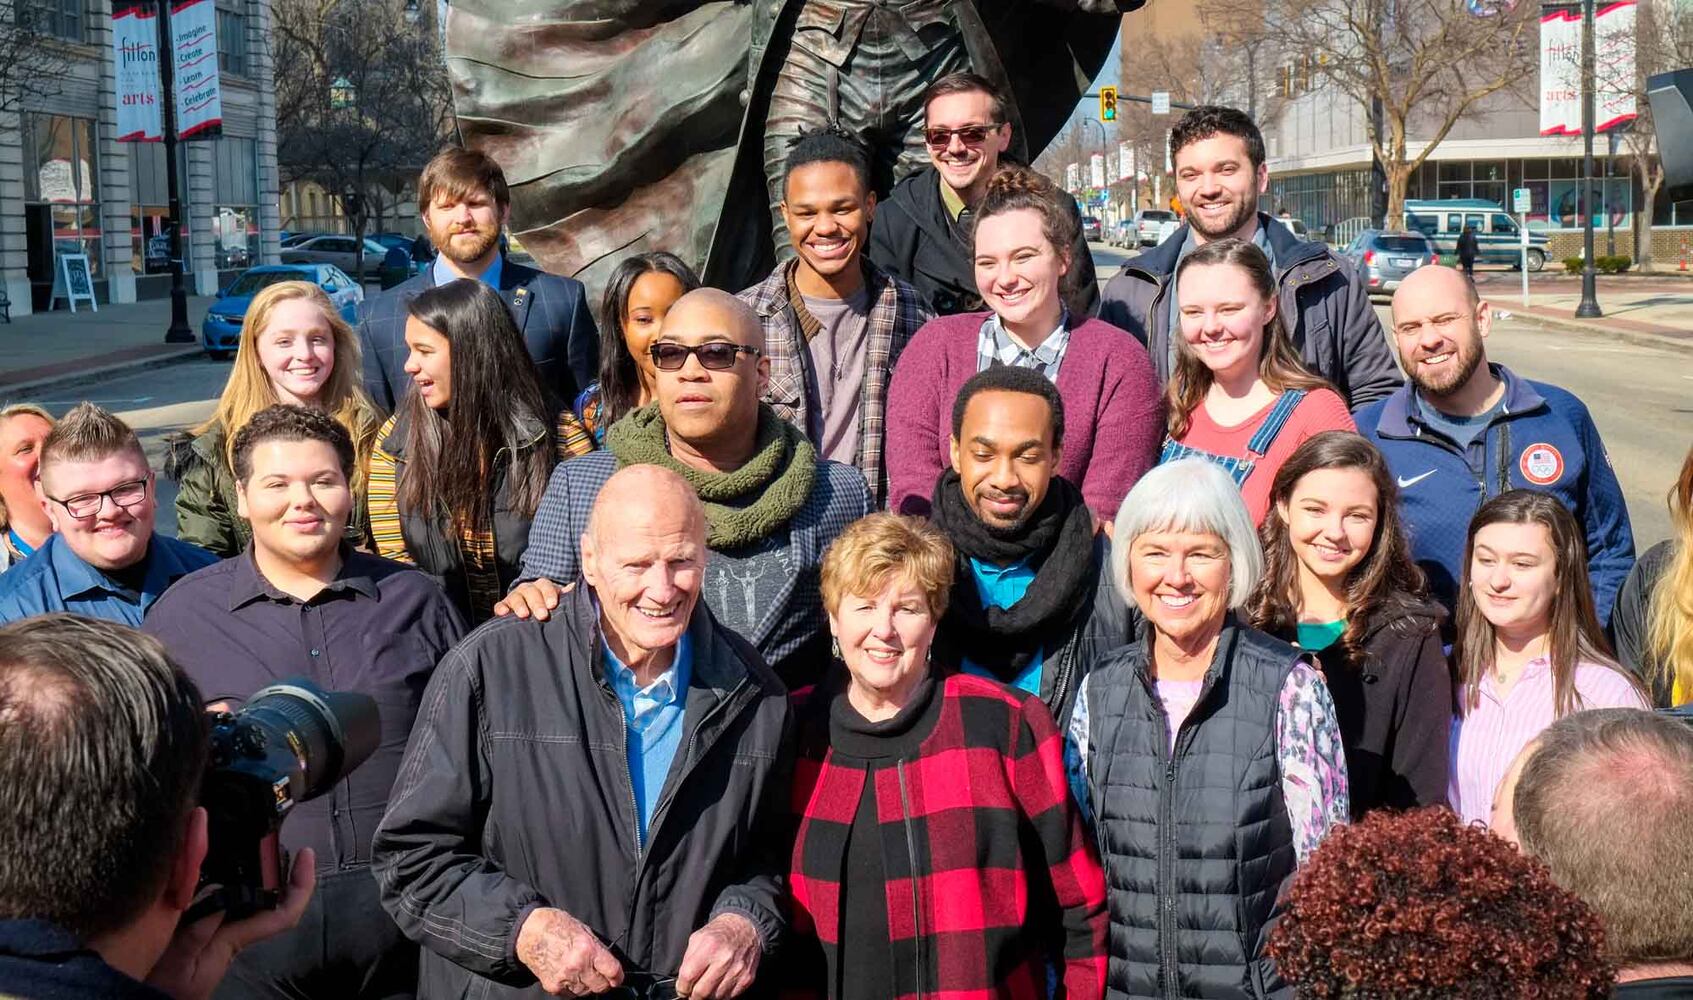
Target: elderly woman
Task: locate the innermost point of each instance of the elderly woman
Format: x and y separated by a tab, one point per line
1208	752
938	850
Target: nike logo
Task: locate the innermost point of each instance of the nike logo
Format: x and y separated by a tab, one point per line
1406	484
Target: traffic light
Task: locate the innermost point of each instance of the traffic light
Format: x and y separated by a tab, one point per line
1108	104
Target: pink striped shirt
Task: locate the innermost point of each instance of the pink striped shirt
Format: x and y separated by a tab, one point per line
1485	742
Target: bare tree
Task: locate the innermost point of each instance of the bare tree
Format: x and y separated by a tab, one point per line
1427	62
31	63
362	97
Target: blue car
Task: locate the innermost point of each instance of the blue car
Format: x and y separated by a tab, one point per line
220	334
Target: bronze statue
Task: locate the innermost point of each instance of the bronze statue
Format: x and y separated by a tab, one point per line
633	125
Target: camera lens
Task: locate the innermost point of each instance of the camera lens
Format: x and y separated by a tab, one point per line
330	732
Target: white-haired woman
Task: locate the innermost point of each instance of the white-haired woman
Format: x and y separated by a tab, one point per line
1206	752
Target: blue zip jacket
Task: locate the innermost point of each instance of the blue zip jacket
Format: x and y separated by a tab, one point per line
1542	439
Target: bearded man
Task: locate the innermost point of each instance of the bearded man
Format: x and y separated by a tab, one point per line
464	203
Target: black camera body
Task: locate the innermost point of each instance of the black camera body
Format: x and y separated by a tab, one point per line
289	743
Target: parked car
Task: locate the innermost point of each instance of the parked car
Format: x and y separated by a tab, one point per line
1147	221
1295	227
1121	233
1166	229
1386	258
338	250
220	333
1499	240
1092	229
295	239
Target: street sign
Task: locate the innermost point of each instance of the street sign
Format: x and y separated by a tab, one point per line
1522	200
1160	102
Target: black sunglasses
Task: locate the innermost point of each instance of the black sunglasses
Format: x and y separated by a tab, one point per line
971	135
669	356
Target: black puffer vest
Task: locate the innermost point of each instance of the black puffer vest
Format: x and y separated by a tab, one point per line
1196	846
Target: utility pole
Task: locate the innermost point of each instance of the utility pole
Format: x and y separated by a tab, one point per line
179	331
1589	307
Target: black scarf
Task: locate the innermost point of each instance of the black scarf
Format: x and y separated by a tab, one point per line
1059	537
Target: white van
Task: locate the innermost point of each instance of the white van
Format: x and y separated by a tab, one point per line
1498	238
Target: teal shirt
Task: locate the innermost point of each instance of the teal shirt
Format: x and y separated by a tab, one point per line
1002	587
1318	636
652	718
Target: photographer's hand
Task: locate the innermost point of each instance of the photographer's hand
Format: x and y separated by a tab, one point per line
565	955
200	953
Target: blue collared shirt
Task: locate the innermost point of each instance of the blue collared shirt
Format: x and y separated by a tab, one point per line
444	271
1001	587
652	717
56	579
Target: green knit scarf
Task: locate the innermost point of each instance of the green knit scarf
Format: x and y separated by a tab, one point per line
741	507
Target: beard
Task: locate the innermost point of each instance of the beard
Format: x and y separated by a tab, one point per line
993	522
1468	360
468	252
1242	211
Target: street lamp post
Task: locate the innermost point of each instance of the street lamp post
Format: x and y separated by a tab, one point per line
1589	307
179	332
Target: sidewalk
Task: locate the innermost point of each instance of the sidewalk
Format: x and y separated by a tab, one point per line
57	346
1652	309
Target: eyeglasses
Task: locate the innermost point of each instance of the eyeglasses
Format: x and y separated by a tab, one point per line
971	135
125	495
669	356
655	988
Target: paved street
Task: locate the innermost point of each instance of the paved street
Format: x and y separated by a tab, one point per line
1642	398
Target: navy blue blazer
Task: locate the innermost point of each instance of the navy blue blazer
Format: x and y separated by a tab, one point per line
550	310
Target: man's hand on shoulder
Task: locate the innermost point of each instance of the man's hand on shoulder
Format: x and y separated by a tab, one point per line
564	954
532	599
721	960
200	953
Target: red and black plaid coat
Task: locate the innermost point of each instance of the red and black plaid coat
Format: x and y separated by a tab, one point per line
985	791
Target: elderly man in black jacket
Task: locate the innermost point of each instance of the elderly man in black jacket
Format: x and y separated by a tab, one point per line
596	799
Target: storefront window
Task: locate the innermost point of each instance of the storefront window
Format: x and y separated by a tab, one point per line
235	219
149	218
63	213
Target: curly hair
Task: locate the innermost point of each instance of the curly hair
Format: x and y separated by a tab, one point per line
1418	906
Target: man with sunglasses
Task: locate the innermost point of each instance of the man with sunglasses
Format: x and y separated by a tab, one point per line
923	230
772	503
103	559
834	323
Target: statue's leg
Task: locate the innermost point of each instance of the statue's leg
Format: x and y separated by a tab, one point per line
805	96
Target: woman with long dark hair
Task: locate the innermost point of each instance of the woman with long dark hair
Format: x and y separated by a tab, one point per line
638	295
461	468
1529	646
1239	394
1652	622
1339	583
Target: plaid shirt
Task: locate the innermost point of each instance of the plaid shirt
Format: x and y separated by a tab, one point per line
995	346
896	313
985	789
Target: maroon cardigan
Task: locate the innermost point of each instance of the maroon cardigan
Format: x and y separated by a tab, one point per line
1113	411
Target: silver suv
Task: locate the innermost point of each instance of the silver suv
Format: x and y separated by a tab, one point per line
1147	221
1387	258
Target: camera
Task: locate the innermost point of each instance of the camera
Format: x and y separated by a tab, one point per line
291	742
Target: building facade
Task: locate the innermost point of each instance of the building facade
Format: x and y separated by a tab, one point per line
1319	159
68	187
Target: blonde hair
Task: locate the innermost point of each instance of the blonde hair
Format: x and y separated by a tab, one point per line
879	547
1669	615
7	413
249	389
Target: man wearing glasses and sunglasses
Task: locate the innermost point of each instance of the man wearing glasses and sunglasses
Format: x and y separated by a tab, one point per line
772	503
922	231
103	559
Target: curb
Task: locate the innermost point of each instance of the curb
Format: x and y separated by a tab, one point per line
35	387
1638	337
